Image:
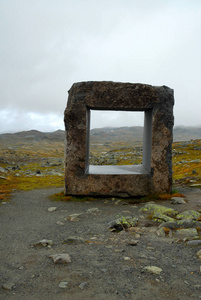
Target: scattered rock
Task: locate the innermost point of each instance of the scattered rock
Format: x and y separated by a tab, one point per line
160	232
74	240
3	170
82	285
199	254
2	177
43	243
52	208
193	243
63	284
123	223
196	185
8	286
133	242
74	217
61	258
178	200
127	258
190	232
93	210
152	269
187	223
60	223
159	217
188	214
154	208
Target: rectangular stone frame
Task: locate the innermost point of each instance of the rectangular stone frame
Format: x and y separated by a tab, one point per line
156	102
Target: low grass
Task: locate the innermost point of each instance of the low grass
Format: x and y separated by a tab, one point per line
39	182
62	197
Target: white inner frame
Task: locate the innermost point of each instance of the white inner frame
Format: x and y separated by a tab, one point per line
145	168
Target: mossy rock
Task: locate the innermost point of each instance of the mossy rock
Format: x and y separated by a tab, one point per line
189	232
122	222
188	214
159	217
155	208
186	223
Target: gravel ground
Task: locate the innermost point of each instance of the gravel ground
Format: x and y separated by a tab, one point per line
105	265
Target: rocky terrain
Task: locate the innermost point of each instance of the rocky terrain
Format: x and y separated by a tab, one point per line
84	248
100	249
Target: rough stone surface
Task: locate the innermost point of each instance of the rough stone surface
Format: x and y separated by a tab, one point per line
188	214
156	101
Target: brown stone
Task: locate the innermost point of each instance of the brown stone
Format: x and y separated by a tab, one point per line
154	175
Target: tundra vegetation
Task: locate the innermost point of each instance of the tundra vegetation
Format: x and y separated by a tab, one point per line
32	164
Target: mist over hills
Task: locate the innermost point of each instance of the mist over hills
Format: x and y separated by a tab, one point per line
110	134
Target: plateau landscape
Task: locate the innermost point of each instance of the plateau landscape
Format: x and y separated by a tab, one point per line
34	159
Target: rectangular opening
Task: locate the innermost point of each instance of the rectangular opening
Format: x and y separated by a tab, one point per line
118	142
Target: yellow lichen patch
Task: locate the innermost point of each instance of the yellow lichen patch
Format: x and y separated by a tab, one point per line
38	182
187	162
7	186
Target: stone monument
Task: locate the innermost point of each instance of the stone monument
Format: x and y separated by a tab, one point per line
154	175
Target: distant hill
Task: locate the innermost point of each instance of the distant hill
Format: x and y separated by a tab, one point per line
33	135
100	135
183	133
180	133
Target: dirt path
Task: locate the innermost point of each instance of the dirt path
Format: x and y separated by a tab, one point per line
104	265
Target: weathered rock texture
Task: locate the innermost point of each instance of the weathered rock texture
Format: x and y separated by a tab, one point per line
156	102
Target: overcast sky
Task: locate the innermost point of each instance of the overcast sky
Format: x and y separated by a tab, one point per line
47	45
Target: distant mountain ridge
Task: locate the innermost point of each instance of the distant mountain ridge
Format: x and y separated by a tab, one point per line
180	133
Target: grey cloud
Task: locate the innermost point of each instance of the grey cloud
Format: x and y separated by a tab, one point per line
49	45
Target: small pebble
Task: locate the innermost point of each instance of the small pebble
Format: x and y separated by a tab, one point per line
52	209
61	258
63	284
60	223
127	258
82	285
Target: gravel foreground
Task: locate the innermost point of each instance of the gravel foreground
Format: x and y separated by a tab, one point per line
104	264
